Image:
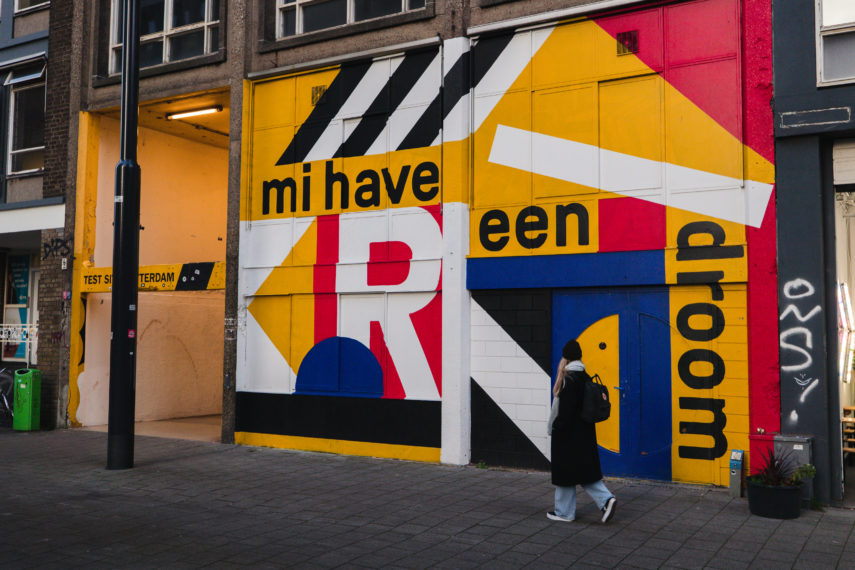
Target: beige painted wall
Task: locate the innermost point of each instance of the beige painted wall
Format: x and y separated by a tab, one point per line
24	189
180	334
179	362
31	23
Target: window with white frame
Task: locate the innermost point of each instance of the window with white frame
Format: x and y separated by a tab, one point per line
27	4
26	119
836	40
295	17
170	30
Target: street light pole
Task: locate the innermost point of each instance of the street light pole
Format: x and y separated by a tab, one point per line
126	238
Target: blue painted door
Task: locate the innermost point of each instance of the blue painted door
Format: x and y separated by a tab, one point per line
625	338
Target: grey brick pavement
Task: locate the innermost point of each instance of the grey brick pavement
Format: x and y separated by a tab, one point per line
190	505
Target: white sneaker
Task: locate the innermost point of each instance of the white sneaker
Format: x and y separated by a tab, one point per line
609	509
553	517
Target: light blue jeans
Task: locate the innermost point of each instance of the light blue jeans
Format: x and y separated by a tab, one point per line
565	498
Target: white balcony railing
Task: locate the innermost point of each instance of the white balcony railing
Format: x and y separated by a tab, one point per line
27	334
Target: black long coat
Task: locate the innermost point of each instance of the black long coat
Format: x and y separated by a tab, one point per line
575	456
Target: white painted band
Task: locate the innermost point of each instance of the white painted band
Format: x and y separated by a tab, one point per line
732	199
29	219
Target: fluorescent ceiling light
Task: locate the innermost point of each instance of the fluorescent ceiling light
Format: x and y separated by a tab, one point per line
194	113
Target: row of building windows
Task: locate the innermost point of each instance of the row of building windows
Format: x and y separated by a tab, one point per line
176	30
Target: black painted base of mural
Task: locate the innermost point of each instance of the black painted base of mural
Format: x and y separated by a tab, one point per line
496	440
375	420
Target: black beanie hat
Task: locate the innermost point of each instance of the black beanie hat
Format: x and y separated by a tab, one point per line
572	350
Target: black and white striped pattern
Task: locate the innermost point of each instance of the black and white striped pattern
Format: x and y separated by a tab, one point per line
372	107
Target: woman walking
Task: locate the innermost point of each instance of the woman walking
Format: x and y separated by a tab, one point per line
575	457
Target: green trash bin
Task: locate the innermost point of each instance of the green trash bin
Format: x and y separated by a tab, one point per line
28	399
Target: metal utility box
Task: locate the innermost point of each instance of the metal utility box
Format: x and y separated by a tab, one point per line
735	486
799	448
28	399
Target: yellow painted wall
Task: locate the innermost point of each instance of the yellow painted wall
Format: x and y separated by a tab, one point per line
180	335
183	200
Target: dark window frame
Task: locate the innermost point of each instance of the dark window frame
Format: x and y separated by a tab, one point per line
12	91
29	9
488	3
102	76
267	27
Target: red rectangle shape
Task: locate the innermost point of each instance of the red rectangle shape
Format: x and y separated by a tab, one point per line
630	224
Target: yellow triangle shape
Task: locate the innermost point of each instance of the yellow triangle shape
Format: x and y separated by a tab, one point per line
284	305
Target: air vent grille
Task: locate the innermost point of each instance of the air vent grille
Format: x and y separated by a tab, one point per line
627	42
318	92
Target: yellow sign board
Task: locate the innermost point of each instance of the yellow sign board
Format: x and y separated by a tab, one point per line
169	277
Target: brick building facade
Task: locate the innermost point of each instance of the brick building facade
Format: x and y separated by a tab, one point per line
378	239
31	210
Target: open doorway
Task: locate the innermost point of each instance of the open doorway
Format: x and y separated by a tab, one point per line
184	165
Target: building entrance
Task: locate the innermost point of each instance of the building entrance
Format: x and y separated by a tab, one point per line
180	328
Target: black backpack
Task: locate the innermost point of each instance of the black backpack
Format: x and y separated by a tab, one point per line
595	401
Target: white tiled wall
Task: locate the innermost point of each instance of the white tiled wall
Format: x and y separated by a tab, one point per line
510	377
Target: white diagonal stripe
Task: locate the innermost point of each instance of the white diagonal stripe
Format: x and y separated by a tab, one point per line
409	111
505	70
732	199
455	126
360	99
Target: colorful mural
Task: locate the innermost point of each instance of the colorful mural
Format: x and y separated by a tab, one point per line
611	168
342	262
614	171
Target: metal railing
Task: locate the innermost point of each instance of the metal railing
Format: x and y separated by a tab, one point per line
26	333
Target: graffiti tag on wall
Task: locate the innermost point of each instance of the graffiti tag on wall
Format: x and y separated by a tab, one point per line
796	339
56	247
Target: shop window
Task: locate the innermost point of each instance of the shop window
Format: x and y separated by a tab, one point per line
170	31
26	120
21	5
20	307
295	17
836	41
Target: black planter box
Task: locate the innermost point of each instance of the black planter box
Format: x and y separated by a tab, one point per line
774	502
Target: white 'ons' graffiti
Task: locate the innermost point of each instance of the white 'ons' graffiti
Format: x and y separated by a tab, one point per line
798	340
798	289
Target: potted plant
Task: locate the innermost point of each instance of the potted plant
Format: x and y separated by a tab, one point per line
775	491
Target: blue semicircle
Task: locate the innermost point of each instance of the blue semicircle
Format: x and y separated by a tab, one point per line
340	366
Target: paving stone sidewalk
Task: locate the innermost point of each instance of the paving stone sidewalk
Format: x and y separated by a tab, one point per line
191	505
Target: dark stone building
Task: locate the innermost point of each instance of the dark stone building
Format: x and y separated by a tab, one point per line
814	68
34	249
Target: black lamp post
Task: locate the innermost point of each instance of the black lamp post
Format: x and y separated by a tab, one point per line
126	237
